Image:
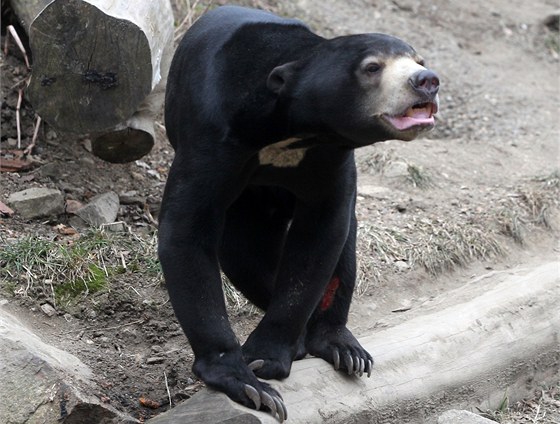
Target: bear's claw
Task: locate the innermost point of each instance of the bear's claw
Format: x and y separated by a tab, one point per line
274	403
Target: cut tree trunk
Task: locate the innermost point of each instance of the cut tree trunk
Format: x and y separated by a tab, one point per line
496	336
99	66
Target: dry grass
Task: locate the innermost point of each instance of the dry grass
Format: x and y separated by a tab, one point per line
543	408
379	162
533	204
436	245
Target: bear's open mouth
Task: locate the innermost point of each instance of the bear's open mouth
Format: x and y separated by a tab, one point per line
419	115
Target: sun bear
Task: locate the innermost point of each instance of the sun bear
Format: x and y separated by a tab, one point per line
264	116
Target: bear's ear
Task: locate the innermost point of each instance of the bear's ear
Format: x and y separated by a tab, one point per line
279	77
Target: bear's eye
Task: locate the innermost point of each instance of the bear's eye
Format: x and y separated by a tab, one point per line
421	62
372	68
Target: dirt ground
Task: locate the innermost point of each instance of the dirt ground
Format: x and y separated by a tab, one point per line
480	192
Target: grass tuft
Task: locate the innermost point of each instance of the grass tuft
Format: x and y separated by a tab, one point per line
533	204
66	272
433	244
418	177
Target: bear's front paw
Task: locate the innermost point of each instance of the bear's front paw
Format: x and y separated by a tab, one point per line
228	373
339	347
269	360
277	366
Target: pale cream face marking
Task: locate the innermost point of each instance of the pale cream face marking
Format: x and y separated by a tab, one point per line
280	155
395	92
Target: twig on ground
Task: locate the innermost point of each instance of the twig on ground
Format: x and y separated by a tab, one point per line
167	387
18	123
29	148
12	31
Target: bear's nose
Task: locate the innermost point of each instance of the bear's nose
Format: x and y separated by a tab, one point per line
425	82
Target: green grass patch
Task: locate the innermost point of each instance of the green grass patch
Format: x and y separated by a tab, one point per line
65	272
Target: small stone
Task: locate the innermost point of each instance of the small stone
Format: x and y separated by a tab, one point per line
401	207
552	21
77	223
137	176
101	209
397	169
73	205
377	192
87	160
116	227
455	416
48	309
12	142
402	265
157	349
37	202
132	199
51	135
155	360
51	170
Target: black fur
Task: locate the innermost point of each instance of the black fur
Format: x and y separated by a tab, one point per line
242	80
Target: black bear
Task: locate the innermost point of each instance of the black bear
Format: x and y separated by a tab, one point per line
264	116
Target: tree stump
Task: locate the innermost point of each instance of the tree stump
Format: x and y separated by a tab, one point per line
96	64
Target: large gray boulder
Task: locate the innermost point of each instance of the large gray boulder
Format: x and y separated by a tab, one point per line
40	383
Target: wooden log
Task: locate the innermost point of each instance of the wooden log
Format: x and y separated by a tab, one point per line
94	61
135	138
498	335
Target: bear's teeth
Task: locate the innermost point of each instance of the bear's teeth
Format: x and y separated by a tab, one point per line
419	112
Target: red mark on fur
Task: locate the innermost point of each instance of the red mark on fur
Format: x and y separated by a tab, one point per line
328	297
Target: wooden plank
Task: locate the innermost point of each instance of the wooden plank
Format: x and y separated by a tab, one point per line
496	335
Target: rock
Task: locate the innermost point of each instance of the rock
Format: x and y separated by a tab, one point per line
132	198
455	416
51	170
42	384
48	309
402	265
51	135
73	205
401	207
101	209
116	227
37	202
396	169
552	21
86	160
377	192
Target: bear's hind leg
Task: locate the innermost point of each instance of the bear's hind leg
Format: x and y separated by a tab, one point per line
253	239
327	335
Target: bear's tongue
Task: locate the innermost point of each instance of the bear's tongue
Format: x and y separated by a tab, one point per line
417	115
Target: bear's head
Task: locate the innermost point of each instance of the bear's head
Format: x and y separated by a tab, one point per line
360	89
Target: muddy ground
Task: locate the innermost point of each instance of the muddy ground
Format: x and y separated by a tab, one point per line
480	192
